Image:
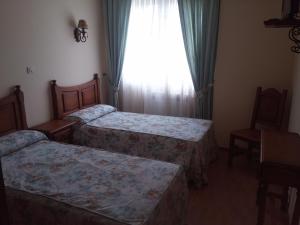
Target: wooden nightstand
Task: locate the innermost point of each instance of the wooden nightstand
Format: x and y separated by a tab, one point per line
57	130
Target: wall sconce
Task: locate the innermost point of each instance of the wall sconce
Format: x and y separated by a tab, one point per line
80	31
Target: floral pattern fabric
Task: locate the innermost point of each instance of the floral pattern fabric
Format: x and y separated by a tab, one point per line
86	115
182	128
20	139
184	141
50	183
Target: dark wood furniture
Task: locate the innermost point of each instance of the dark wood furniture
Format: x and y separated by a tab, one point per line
268	113
57	130
3	204
279	165
12	118
12	112
289	15
67	100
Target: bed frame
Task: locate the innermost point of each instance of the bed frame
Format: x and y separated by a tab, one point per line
12	112
3	205
70	99
12	118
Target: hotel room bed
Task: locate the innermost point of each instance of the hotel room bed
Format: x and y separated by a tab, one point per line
51	183
184	141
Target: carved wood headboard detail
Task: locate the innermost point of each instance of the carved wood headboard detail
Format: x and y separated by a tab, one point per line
70	99
12	112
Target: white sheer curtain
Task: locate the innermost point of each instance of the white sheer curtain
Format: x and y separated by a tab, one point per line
156	77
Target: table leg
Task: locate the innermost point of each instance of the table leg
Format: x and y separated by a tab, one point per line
249	153
258	193
231	150
284	199
262	203
296	215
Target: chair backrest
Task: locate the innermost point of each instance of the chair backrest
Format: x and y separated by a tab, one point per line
269	108
3	205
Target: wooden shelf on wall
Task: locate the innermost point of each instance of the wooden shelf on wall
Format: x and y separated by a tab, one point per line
281	23
290	19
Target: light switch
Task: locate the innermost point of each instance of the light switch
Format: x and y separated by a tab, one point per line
29	70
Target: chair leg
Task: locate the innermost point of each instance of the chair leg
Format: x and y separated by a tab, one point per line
231	151
263	189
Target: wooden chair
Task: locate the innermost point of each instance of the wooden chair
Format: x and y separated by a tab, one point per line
3	205
268	114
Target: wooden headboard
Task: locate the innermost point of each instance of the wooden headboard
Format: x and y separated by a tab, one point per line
12	112
70	99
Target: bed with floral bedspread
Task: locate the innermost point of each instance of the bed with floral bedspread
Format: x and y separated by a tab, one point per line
50	183
184	141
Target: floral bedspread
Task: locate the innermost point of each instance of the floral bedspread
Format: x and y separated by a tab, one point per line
185	141
50	183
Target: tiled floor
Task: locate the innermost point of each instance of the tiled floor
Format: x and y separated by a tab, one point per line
229	199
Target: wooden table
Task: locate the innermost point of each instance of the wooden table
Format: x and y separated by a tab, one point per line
279	165
57	130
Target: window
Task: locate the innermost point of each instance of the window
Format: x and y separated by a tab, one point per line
156	77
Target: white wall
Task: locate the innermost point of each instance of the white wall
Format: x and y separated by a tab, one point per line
249	55
39	33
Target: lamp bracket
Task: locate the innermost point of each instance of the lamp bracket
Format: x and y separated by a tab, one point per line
77	34
294	35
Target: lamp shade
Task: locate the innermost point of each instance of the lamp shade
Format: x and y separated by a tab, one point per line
82	24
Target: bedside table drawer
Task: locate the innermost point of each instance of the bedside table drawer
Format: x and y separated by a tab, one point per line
63	136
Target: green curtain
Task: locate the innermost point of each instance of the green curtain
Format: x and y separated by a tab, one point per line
116	14
200	22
